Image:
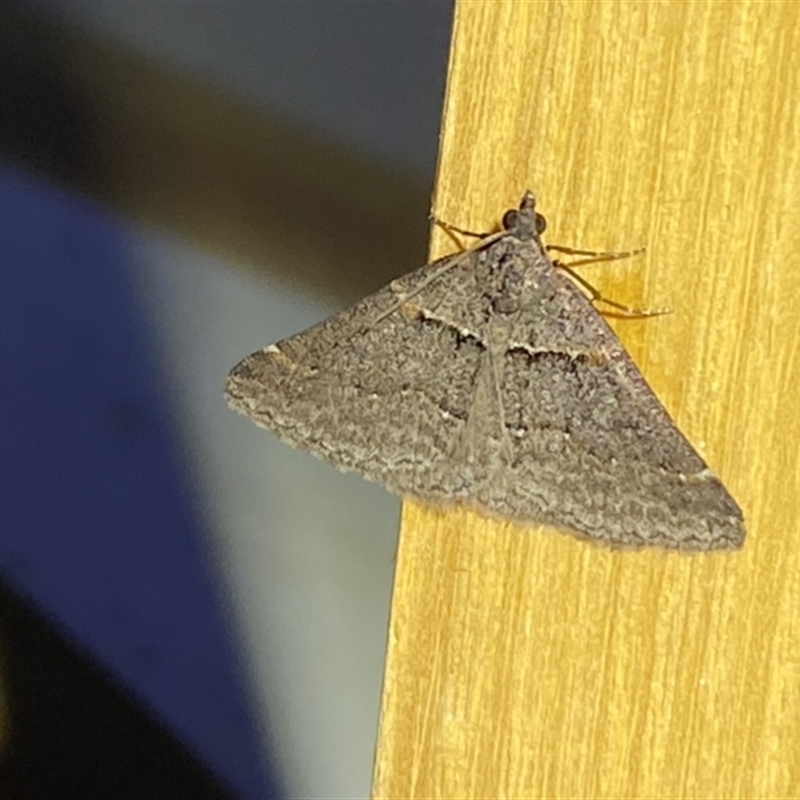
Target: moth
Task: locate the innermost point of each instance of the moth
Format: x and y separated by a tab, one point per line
489	379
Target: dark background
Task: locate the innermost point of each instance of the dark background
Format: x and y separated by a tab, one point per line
189	609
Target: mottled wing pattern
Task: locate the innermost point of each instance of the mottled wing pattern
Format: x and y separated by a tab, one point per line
572	437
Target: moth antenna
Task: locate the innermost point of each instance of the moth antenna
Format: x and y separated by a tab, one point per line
448	227
454	261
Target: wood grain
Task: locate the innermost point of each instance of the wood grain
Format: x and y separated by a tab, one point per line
526	663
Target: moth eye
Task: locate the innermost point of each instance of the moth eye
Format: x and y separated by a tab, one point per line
510	219
541	223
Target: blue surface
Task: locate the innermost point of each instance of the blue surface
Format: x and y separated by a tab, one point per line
96	524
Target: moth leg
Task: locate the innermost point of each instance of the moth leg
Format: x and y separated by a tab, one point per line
596	297
595	256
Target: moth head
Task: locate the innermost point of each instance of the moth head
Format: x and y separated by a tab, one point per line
525	223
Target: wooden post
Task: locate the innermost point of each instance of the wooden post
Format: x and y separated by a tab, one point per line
526	663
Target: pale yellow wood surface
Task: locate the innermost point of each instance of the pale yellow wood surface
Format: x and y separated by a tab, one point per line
527	663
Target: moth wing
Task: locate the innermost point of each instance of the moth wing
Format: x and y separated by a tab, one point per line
386	398
585	443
